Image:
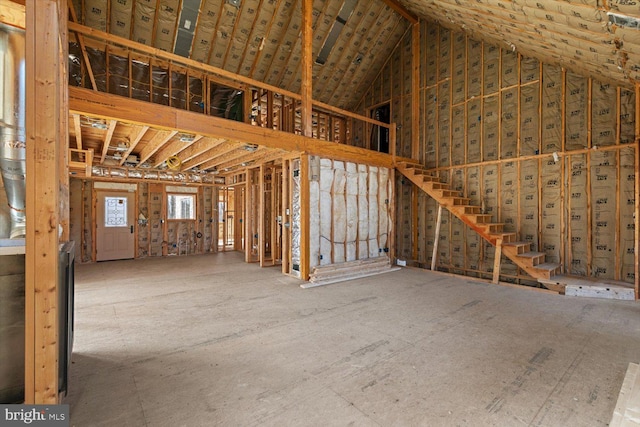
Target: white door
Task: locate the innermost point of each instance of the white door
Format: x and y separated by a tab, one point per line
115	228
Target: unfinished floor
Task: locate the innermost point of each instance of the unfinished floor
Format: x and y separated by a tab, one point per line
209	340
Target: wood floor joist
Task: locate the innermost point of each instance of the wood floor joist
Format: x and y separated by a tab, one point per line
112	107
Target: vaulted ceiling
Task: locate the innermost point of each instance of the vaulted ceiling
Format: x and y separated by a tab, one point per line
591	37
261	39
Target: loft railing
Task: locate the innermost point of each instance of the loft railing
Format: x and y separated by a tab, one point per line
107	63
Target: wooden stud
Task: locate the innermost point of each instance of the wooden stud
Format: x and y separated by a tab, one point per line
83	48
637	197
261	216
415	91
285	217
78	131
436	240
307	67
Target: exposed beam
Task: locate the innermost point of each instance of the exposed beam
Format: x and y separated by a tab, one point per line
88	102
231	155
78	131
141	130
198	148
172	149
219	150
404	12
257	158
107	139
223	75
307	68
161	138
12	13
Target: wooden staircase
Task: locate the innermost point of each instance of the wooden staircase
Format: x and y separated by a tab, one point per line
518	252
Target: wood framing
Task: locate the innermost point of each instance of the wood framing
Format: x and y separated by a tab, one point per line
90	103
45	41
307	67
304	217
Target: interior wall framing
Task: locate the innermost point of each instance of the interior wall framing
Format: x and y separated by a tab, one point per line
155	235
546	151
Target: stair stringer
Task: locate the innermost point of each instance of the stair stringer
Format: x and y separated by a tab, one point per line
518	252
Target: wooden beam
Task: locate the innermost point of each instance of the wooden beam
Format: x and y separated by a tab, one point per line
172	149
78	131
637	197
161	138
307	68
261	216
231	152
107	139
43	105
90	103
139	133
12	13
208	156
404	12
199	147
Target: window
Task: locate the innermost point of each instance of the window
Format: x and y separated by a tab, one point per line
181	206
115	211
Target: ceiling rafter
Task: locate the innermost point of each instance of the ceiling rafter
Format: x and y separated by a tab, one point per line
198	148
320	16
215	33
234	154
161	138
78	131
403	11
172	149
233	31
258	57
249	37
107	139
138	134
208	155
365	81
357	27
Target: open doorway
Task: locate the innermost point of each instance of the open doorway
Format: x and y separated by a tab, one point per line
379	140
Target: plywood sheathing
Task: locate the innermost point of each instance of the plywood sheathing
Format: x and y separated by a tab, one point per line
577	36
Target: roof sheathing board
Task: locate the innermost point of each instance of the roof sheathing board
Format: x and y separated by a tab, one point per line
575	35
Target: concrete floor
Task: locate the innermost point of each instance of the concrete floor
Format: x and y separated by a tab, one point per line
209	340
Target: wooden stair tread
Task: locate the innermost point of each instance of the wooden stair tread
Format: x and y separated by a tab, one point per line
531	254
547	266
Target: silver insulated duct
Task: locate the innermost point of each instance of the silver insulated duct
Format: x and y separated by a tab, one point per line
12	124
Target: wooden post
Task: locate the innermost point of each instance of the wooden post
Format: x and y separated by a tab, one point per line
496	261
285	216
307	67
43	105
304	217
248	203
261	216
434	256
